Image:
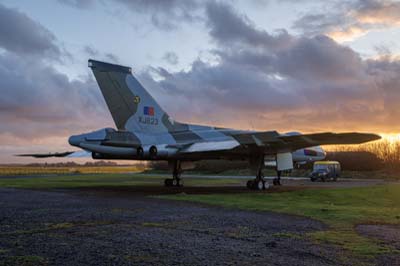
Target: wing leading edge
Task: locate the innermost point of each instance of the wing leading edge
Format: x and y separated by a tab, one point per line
328	138
273	142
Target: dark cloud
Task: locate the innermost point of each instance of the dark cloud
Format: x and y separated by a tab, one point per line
38	101
348	20
95	54
255	79
90	51
20	34
112	58
171	58
165	15
280	81
228	28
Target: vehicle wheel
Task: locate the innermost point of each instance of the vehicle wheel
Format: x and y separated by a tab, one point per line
175	182
323	179
266	185
312	179
180	182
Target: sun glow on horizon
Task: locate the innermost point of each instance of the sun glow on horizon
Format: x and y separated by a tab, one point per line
390	137
387	148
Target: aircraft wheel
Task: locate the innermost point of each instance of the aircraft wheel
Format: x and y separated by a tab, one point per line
168	182
250	184
180	182
259	185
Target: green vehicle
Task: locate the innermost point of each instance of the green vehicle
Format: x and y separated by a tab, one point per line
325	170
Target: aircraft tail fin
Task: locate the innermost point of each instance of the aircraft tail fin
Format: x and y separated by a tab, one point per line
131	106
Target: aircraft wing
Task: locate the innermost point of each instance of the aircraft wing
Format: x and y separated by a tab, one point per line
272	142
67	154
316	139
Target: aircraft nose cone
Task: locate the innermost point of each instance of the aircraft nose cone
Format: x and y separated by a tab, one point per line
74	140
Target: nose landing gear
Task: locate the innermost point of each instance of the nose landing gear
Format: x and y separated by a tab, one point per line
277	180
176	180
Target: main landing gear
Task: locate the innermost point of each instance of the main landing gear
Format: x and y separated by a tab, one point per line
176	180
277	180
259	183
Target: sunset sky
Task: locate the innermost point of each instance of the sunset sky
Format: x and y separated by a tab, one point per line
286	65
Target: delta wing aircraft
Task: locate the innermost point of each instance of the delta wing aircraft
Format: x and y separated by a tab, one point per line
144	131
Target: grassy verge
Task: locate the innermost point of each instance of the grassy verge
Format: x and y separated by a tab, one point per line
37	170
103	180
76	181
341	209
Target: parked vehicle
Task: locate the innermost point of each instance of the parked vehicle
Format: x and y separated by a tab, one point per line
325	170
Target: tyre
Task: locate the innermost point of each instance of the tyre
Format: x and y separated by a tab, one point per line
260	185
168	182
249	184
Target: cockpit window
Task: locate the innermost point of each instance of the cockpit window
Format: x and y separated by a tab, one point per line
309	152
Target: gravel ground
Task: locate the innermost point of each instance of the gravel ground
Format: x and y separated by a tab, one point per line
91	228
385	233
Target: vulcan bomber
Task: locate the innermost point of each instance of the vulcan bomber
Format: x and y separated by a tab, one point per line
144	131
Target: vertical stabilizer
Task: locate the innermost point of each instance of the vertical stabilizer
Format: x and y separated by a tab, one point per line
131	106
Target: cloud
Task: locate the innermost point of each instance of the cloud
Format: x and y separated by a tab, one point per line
171	58
38	101
280	81
375	12
95	54
112	58
20	34
89	50
81	4
256	79
350	20
164	15
227	27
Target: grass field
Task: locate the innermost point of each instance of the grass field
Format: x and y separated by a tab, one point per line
341	209
36	170
102	180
